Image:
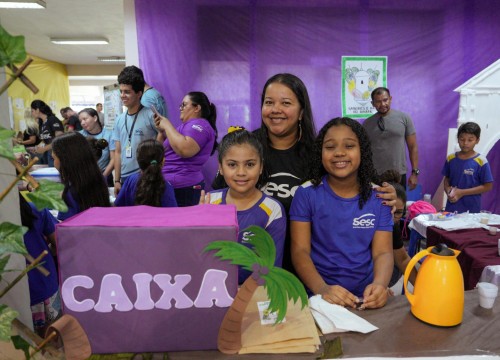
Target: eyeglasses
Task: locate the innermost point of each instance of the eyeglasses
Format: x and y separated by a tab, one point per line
381	123
183	105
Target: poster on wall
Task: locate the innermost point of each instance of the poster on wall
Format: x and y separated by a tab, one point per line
360	76
112	105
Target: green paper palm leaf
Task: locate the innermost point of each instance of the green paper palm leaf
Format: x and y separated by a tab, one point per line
277	295
238	254
281	285
263	245
48	195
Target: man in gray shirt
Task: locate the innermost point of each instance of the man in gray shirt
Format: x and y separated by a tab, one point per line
388	131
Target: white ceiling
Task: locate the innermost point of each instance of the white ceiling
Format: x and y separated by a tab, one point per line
69	18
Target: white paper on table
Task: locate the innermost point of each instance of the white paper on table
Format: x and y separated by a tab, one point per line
459	222
334	318
494	219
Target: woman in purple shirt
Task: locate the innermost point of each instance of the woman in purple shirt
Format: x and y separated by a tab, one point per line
188	146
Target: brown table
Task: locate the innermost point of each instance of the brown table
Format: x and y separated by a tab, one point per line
401	334
478	250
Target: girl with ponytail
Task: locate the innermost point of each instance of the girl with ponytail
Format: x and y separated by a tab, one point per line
147	187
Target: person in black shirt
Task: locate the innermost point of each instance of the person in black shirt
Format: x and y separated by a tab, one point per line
71	121
287	133
50	127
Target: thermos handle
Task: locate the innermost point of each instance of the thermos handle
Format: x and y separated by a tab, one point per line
408	270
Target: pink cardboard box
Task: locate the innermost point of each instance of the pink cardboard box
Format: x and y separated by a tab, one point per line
137	279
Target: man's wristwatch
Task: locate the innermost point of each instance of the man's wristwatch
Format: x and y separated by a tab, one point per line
415	171
118	181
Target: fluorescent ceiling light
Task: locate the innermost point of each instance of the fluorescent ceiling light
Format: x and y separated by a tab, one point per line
91	77
23	4
69	41
111	59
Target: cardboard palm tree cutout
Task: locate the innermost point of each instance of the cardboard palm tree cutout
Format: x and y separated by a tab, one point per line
280	284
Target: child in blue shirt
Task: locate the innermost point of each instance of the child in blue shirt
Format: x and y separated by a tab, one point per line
241	163
84	185
44	294
467	174
341	232
148	186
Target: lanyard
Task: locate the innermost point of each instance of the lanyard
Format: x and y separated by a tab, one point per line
133	124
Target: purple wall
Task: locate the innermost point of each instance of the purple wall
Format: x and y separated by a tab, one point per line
229	48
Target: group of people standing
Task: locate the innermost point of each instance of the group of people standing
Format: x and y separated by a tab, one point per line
259	171
314	193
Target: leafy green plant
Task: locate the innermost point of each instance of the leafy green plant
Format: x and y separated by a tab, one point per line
280	284
47	194
12	52
12	49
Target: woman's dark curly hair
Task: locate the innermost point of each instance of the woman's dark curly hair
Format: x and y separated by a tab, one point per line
394	178
151	184
79	171
366	170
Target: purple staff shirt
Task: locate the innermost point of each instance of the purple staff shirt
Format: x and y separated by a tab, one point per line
183	172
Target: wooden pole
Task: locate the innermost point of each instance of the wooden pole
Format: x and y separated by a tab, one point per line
24	79
24	171
45	341
14	76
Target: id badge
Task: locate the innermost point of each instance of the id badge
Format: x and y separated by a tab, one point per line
128	152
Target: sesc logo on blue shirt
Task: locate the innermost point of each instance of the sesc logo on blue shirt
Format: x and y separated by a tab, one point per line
366	221
469	172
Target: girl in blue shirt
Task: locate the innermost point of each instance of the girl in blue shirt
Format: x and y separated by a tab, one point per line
148	187
84	185
241	164
44	294
341	232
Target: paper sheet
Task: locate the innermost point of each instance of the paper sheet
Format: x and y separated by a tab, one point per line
334	318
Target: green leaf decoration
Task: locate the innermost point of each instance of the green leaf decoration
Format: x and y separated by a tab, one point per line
11	238
332	349
263	245
6	317
6	142
281	287
238	254
12	50
48	195
3	263
294	288
278	301
19	149
21	344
